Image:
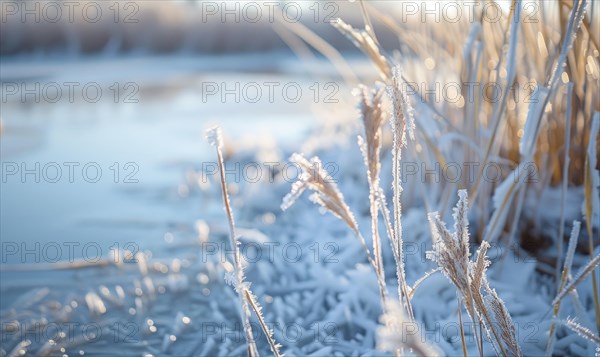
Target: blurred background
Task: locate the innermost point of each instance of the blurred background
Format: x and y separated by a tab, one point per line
78	28
104	105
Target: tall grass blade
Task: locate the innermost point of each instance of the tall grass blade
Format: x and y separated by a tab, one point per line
214	137
591	203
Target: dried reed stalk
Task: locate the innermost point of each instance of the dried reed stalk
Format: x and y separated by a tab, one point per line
591	205
566	273
327	195
242	287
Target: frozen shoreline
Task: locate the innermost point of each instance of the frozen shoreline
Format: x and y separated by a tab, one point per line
324	303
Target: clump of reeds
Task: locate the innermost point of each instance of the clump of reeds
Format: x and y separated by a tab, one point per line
246	298
523	51
451	253
373	115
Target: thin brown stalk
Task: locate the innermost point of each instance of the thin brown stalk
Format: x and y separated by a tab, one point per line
566	273
413	289
318	43
592	203
253	302
215	138
372	115
501	105
583	273
462	329
401	121
565	175
364	41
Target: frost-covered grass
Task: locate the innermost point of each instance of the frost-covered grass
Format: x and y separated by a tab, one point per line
508	130
382	274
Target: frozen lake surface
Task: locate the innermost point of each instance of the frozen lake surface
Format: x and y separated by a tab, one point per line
112	171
